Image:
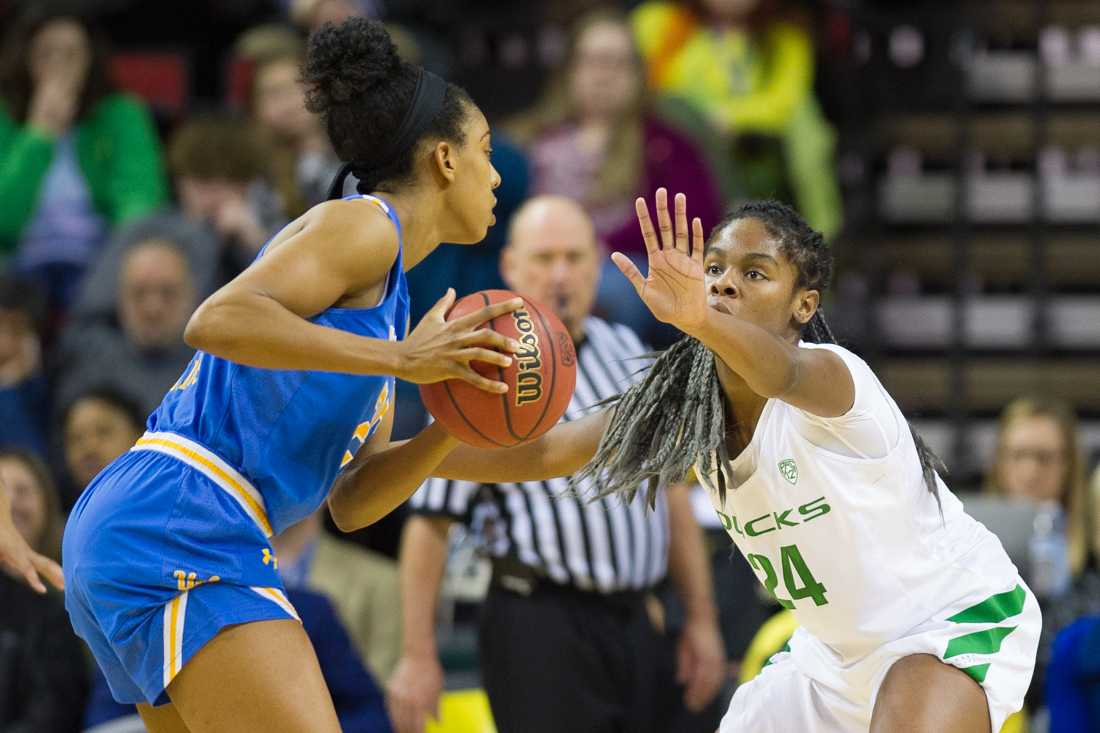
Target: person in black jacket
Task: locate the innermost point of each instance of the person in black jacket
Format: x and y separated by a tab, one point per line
43	670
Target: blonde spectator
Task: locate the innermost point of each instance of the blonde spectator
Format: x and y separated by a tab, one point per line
1038	457
593	138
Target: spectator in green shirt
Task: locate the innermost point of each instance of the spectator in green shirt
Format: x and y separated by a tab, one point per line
76	157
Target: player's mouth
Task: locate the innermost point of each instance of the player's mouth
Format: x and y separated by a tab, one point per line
721	307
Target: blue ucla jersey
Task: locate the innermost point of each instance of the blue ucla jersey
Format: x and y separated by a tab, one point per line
287	433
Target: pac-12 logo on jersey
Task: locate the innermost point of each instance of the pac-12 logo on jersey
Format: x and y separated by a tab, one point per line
365	428
789	469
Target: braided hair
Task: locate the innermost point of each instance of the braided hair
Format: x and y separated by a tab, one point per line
674	419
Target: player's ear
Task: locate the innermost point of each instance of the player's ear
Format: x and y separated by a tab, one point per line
444	160
805	305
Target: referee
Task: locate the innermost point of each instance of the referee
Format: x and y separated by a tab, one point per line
569	631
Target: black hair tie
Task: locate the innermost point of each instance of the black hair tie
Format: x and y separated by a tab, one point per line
336	190
427	101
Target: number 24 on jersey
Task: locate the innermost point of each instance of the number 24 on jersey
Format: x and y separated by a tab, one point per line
799	581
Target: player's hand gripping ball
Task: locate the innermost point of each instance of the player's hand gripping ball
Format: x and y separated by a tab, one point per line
540	379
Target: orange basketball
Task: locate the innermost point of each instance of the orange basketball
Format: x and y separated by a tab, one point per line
540	379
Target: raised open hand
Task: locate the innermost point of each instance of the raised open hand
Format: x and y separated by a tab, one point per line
673	290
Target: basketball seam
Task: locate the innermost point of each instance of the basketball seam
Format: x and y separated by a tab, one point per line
451	397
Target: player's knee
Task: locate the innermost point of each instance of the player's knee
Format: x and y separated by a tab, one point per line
921	694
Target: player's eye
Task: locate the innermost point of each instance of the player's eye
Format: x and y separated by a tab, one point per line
714	270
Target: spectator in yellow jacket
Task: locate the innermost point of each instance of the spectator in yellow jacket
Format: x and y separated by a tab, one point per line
750	72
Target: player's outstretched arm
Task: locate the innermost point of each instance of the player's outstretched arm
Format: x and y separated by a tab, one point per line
560	452
814	380
339	249
674	290
384	474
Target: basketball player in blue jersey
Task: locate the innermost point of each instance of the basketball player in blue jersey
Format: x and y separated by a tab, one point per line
169	574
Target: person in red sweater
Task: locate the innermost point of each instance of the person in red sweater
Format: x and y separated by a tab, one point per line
593	137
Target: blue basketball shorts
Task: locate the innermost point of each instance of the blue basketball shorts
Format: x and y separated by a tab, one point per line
166	547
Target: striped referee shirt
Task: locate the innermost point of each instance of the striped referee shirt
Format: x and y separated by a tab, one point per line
603	546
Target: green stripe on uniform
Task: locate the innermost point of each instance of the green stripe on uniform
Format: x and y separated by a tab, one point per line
994	609
978	672
980	642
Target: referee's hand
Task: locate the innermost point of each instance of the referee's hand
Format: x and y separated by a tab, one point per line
701	663
413	693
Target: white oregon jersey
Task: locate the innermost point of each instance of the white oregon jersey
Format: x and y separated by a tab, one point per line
857	547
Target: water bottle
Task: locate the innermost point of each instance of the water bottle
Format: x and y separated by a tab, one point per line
1048	551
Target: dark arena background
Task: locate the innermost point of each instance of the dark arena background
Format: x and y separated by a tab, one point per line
947	151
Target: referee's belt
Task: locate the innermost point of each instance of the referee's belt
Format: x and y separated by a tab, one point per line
515	577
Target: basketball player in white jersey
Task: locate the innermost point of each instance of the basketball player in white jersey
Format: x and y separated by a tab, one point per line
912	617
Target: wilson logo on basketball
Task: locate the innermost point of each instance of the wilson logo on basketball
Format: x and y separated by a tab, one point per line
528	361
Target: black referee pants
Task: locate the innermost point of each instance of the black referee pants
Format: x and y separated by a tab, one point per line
565	661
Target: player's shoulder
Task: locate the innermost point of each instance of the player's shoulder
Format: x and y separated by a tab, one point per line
852	360
356	226
870	394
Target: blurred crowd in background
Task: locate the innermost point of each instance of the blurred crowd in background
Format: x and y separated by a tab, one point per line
149	150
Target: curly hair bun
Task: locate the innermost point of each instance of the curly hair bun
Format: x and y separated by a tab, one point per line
347	61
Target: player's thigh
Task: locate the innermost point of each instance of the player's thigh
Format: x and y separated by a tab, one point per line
921	694
161	719
260	676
